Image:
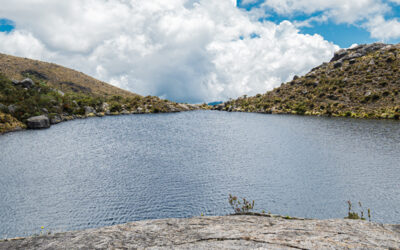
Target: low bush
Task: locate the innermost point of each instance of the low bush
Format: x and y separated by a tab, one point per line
238	206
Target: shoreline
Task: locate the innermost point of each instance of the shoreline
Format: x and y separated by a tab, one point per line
358	117
231	231
98	115
76	117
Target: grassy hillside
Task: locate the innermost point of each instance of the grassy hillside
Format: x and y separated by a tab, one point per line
361	82
62	94
56	76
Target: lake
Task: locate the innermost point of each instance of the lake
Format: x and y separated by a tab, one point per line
104	171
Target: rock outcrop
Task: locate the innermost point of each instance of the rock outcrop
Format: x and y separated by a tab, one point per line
38	122
227	232
26	83
337	88
356	52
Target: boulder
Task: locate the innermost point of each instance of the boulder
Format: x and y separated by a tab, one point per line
184	107
3	107
56	119
339	55
89	110
60	92
125	112
219	106
27	83
172	108
338	65
105	106
12	108
311	75
38	122
372	62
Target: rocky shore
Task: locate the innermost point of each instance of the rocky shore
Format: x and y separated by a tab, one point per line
226	232
37	105
44	121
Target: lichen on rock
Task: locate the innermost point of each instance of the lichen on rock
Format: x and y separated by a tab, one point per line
227	232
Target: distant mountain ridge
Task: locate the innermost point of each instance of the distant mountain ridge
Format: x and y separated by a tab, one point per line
362	82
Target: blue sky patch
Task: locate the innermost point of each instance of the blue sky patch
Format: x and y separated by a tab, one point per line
343	35
6	25
241	5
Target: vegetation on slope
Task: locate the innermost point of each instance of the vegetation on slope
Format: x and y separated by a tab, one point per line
62	94
64	79
362	82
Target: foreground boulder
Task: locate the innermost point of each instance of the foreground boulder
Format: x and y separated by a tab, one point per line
38	122
226	232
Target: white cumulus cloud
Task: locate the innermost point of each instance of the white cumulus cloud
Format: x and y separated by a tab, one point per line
341	11
369	14
384	29
184	50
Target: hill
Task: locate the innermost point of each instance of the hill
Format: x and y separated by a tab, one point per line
361	82
56	76
36	94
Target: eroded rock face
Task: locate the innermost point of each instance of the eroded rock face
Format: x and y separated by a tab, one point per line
228	232
38	122
356	52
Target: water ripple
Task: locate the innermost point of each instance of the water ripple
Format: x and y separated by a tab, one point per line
97	172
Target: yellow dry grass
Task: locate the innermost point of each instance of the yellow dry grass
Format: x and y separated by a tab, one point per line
59	77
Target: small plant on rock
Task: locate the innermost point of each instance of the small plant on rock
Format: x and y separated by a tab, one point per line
240	207
355	215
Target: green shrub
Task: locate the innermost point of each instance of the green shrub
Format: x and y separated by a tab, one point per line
352	215
115	107
300	109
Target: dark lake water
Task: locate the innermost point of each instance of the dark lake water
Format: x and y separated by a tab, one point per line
105	171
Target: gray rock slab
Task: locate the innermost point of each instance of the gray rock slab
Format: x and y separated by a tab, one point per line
38	122
27	83
225	232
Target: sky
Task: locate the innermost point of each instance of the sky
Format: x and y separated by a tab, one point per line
193	50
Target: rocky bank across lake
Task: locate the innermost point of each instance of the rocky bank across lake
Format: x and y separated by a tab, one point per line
229	232
360	82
